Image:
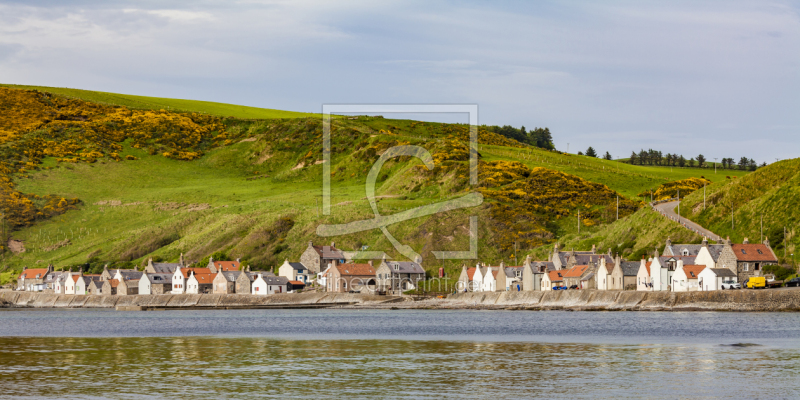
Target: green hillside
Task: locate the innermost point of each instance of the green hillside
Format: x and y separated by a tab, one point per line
157	103
772	192
253	188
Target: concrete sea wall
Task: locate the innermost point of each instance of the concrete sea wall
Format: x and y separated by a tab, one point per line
41	300
732	300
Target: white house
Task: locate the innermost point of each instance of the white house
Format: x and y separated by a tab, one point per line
490	280
264	285
181	276
477	277
198	283
643	280
71	281
662	268
686	277
601	275
712	278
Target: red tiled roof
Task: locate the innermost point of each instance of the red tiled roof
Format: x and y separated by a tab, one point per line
227	265
692	271
576	271
185	271
494	273
470	273
31	273
555	276
204	278
75	278
753	252
356	269
298	283
114	283
648	267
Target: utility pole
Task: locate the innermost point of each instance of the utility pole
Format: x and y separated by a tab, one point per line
715	165
732	226
579	222
762	227
617	208
679	206
704	197
515	251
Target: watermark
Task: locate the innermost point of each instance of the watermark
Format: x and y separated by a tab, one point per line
382	221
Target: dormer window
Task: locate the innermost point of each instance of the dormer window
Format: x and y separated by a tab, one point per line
759	251
685	252
396	267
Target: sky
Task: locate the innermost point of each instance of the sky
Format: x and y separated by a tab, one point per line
721	78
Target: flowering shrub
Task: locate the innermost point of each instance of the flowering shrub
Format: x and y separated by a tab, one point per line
670	190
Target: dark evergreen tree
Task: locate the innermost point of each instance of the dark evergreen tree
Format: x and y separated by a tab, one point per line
607	156
701	161
590	152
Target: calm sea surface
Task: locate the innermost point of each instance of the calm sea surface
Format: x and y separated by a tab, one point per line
397	354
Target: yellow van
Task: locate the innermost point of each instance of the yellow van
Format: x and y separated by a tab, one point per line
756	282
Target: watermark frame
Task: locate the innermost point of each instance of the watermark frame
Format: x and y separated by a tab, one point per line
380	222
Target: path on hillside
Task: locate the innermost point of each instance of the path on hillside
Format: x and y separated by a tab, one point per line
668	210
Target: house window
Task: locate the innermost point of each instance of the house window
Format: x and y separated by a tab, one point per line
685	252
745	267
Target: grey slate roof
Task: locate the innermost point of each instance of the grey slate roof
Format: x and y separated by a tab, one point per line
298	266
129	274
693	250
630	268
166	268
231	276
275	280
511	272
405	267
723	272
536	265
591	259
160	278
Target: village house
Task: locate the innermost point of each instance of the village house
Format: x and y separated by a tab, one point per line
662	268
399	276
350	277
552	279
630	273
127	287
601	276
199	283
155	283
109	287
511	277
71	281
225	282
181	276
713	278
477	277
746	259
489	281
295	286
83	284
533	272
49	281
264	285
643	280
60	282
465	282
573	277
96	286
686	277
295	271
317	258
32	280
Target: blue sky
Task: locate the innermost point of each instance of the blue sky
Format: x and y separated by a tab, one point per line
720	78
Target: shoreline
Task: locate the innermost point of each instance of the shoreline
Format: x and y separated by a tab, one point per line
579	300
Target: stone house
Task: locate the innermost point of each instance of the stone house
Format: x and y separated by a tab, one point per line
200	283
317	258
345	278
49	281
109	287
82	286
96	287
243	283
295	271
712	278
510	278
265	285
159	283
533	272
746	259
464	283
216	266
225	282
398	276
127	287
32	280
630	273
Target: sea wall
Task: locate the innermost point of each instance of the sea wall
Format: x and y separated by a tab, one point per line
42	300
729	300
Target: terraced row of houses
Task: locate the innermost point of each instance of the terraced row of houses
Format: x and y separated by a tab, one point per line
325	266
678	267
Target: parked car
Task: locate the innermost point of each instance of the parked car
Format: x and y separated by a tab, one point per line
730	285
573	287
793	282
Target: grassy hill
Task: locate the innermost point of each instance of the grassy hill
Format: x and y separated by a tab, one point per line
157	103
772	192
253	188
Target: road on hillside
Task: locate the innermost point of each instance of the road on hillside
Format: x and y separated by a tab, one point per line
668	210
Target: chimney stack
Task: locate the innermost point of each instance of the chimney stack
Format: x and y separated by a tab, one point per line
746	241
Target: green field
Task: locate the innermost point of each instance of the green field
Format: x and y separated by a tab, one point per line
157	103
